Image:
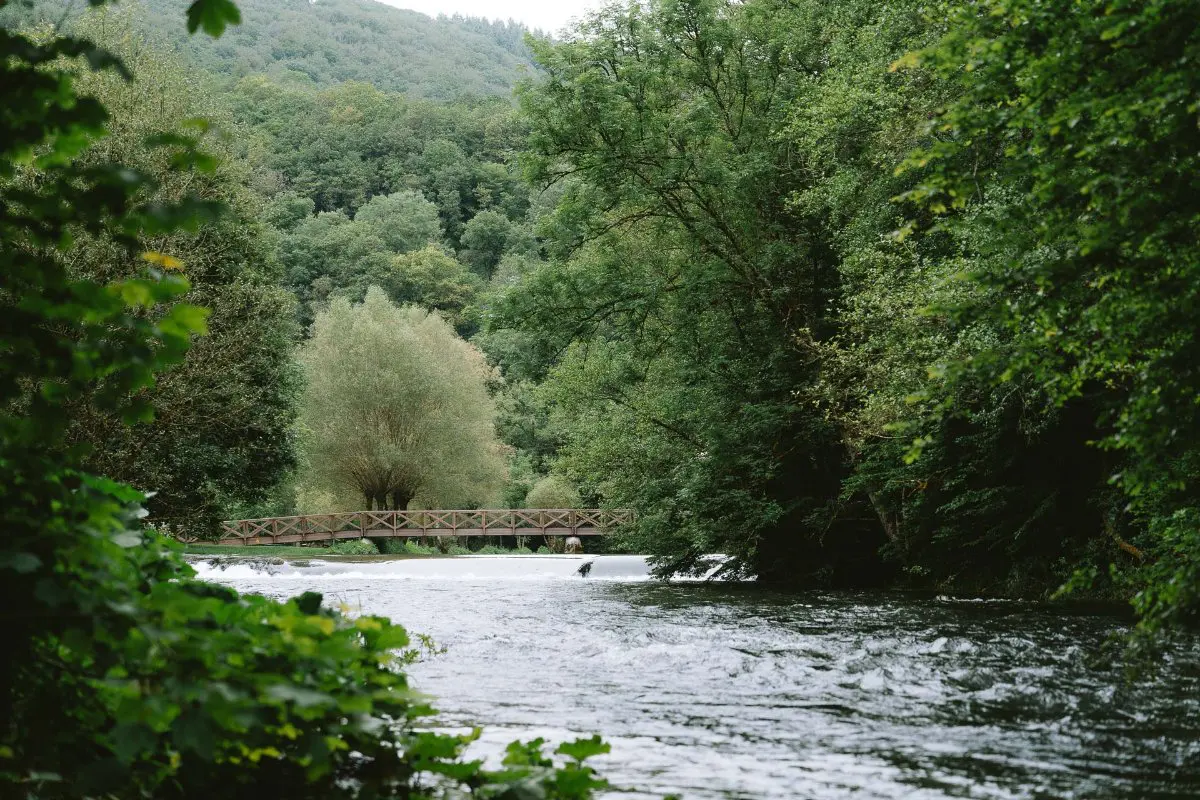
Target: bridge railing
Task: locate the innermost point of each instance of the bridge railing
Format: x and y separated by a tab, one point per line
468	522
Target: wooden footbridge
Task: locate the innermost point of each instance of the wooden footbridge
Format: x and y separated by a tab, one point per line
411	524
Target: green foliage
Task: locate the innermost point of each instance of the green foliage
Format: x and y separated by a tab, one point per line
223	433
344	144
484	240
396	409
121	677
354	547
337	41
788	241
678	330
432	279
396	547
404	220
212	16
258	551
1074	134
552	492
392	181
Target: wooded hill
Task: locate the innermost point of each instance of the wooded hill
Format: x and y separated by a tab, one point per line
332	41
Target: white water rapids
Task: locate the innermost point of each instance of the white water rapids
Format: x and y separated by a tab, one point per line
732	691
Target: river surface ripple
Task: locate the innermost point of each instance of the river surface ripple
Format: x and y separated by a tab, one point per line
721	691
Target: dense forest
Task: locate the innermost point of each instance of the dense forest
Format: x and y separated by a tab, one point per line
780	277
334	41
871	293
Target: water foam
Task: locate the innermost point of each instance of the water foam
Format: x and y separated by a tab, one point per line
463	568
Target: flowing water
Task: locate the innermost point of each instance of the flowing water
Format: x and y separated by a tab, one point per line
728	691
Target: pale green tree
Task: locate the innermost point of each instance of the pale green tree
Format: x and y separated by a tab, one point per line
396	409
553	491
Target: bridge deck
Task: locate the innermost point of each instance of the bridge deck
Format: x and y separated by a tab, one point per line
389	524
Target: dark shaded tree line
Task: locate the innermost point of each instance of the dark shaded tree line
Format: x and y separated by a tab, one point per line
863	293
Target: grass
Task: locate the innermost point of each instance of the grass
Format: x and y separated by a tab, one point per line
391	547
264	551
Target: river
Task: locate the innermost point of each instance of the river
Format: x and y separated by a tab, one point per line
732	691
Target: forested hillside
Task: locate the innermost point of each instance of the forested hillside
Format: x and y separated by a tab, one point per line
332	41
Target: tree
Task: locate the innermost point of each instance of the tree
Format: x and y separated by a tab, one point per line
680	320
484	240
223	431
1074	138
738	323
396	409
329	252
447	177
552	492
404	220
433	280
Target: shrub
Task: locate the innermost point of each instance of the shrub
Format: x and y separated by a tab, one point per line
405	547
552	492
353	547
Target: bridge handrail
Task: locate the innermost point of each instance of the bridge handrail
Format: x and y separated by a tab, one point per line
478	521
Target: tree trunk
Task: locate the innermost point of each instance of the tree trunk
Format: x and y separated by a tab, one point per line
888	520
400	499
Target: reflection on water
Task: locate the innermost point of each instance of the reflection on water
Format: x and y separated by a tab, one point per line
715	691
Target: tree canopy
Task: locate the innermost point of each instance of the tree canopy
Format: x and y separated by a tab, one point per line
223	430
336	41
396	409
866	293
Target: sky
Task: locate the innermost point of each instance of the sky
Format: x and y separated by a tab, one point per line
549	15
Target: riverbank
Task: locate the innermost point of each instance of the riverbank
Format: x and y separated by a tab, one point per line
291	553
268	551
259	551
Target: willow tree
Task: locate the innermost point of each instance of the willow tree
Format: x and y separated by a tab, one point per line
396	409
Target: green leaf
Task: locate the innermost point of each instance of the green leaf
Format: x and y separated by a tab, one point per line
212	16
22	563
582	749
304	698
392	638
194	731
131	739
309	602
